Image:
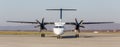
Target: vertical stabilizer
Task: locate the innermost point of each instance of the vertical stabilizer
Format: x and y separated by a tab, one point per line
61	11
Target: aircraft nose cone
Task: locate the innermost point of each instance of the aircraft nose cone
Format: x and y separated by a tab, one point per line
58	31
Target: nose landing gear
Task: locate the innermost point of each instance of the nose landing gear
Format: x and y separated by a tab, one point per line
59	37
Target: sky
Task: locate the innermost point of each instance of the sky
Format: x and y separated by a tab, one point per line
87	10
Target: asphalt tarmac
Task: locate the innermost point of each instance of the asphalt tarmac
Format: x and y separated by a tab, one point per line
68	40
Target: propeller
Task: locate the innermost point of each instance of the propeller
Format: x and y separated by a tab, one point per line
78	25
41	24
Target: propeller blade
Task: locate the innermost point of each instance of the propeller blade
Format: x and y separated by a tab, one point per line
76	21
36	26
81	22
41	25
42	20
38	21
82	26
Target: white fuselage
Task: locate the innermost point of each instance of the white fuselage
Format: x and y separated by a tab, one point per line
59	28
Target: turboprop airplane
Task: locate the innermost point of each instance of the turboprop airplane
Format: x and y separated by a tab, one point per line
59	26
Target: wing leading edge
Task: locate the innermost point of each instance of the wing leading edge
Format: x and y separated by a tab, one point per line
73	23
23	22
27	22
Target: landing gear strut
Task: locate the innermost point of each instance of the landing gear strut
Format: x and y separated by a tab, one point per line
77	35
42	32
42	35
59	37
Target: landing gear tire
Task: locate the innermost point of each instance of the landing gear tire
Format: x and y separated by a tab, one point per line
77	36
59	37
42	35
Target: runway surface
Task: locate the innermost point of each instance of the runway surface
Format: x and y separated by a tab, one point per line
85	40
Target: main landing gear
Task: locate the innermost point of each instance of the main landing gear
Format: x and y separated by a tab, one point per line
77	35
42	34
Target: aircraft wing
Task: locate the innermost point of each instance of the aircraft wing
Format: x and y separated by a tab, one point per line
23	22
27	22
96	22
73	23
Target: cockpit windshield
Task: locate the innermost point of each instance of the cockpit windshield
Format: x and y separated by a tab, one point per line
59	26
